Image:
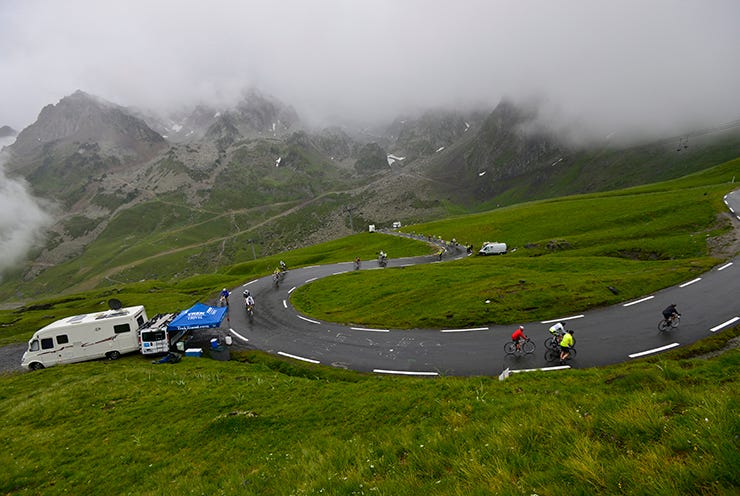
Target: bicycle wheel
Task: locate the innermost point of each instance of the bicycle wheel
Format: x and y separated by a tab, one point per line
552	355
572	352
663	325
510	348
528	347
551	343
675	321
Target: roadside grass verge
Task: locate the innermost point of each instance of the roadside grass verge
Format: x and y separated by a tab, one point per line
263	425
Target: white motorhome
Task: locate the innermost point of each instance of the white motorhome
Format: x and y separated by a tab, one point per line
85	337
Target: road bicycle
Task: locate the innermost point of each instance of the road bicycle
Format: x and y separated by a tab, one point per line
250	313
669	323
553	355
526	346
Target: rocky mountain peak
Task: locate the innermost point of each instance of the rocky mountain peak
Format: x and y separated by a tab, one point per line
84	118
7	132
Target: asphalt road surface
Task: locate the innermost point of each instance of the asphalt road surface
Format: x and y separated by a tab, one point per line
619	333
604	336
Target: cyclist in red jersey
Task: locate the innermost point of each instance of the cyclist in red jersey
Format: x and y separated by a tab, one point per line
518	336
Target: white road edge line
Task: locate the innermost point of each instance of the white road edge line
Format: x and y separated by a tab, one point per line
307	319
312	267
638	301
655	350
297	357
465	330
690	282
402	372
562	319
369	330
407	265
232	331
250	282
544	369
725	266
337	273
724	324
311	280
285	304
291	289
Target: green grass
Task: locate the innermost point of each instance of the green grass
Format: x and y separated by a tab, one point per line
564	256
260	425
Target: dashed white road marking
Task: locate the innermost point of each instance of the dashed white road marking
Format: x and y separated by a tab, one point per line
340	272
724	324
724	266
232	331
655	350
308	320
369	330
303	359
638	301
402	372
465	330
311	280
250	282
291	289
285	304
562	319
690	282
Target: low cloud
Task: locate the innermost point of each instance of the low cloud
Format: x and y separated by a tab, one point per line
23	219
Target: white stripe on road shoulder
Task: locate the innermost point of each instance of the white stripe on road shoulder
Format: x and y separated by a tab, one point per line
307	319
638	301
655	350
465	330
402	372
311	280
544	369
562	319
725	266
285	304
368	329
297	357
291	289
724	324
690	282
340	272
250	282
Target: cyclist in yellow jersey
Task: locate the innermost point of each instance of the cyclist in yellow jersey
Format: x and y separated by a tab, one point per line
565	343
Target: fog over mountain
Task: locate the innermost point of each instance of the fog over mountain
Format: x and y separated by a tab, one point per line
23	217
595	68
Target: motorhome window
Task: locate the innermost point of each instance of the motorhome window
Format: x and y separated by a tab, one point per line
62	339
140	320
47	343
152	336
34	345
121	328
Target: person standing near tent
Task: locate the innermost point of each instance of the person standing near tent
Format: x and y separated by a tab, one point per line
223	299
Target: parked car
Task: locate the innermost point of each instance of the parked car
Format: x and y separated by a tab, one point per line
490	248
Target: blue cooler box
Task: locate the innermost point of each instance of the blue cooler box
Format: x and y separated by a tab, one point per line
194	352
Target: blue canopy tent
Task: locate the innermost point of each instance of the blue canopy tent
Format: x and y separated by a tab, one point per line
199	316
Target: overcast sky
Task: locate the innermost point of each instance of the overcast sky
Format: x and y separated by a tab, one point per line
606	65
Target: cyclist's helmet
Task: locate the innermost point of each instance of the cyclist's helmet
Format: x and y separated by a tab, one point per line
246	293
224	289
571	331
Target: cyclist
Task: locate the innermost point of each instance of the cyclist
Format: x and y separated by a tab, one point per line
670	312
357	263
283	267
248	298
565	343
224	297
518	336
557	330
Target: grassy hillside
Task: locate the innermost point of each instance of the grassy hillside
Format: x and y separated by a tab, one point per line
661	426
565	255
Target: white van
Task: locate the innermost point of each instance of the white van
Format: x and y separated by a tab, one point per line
489	248
85	337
